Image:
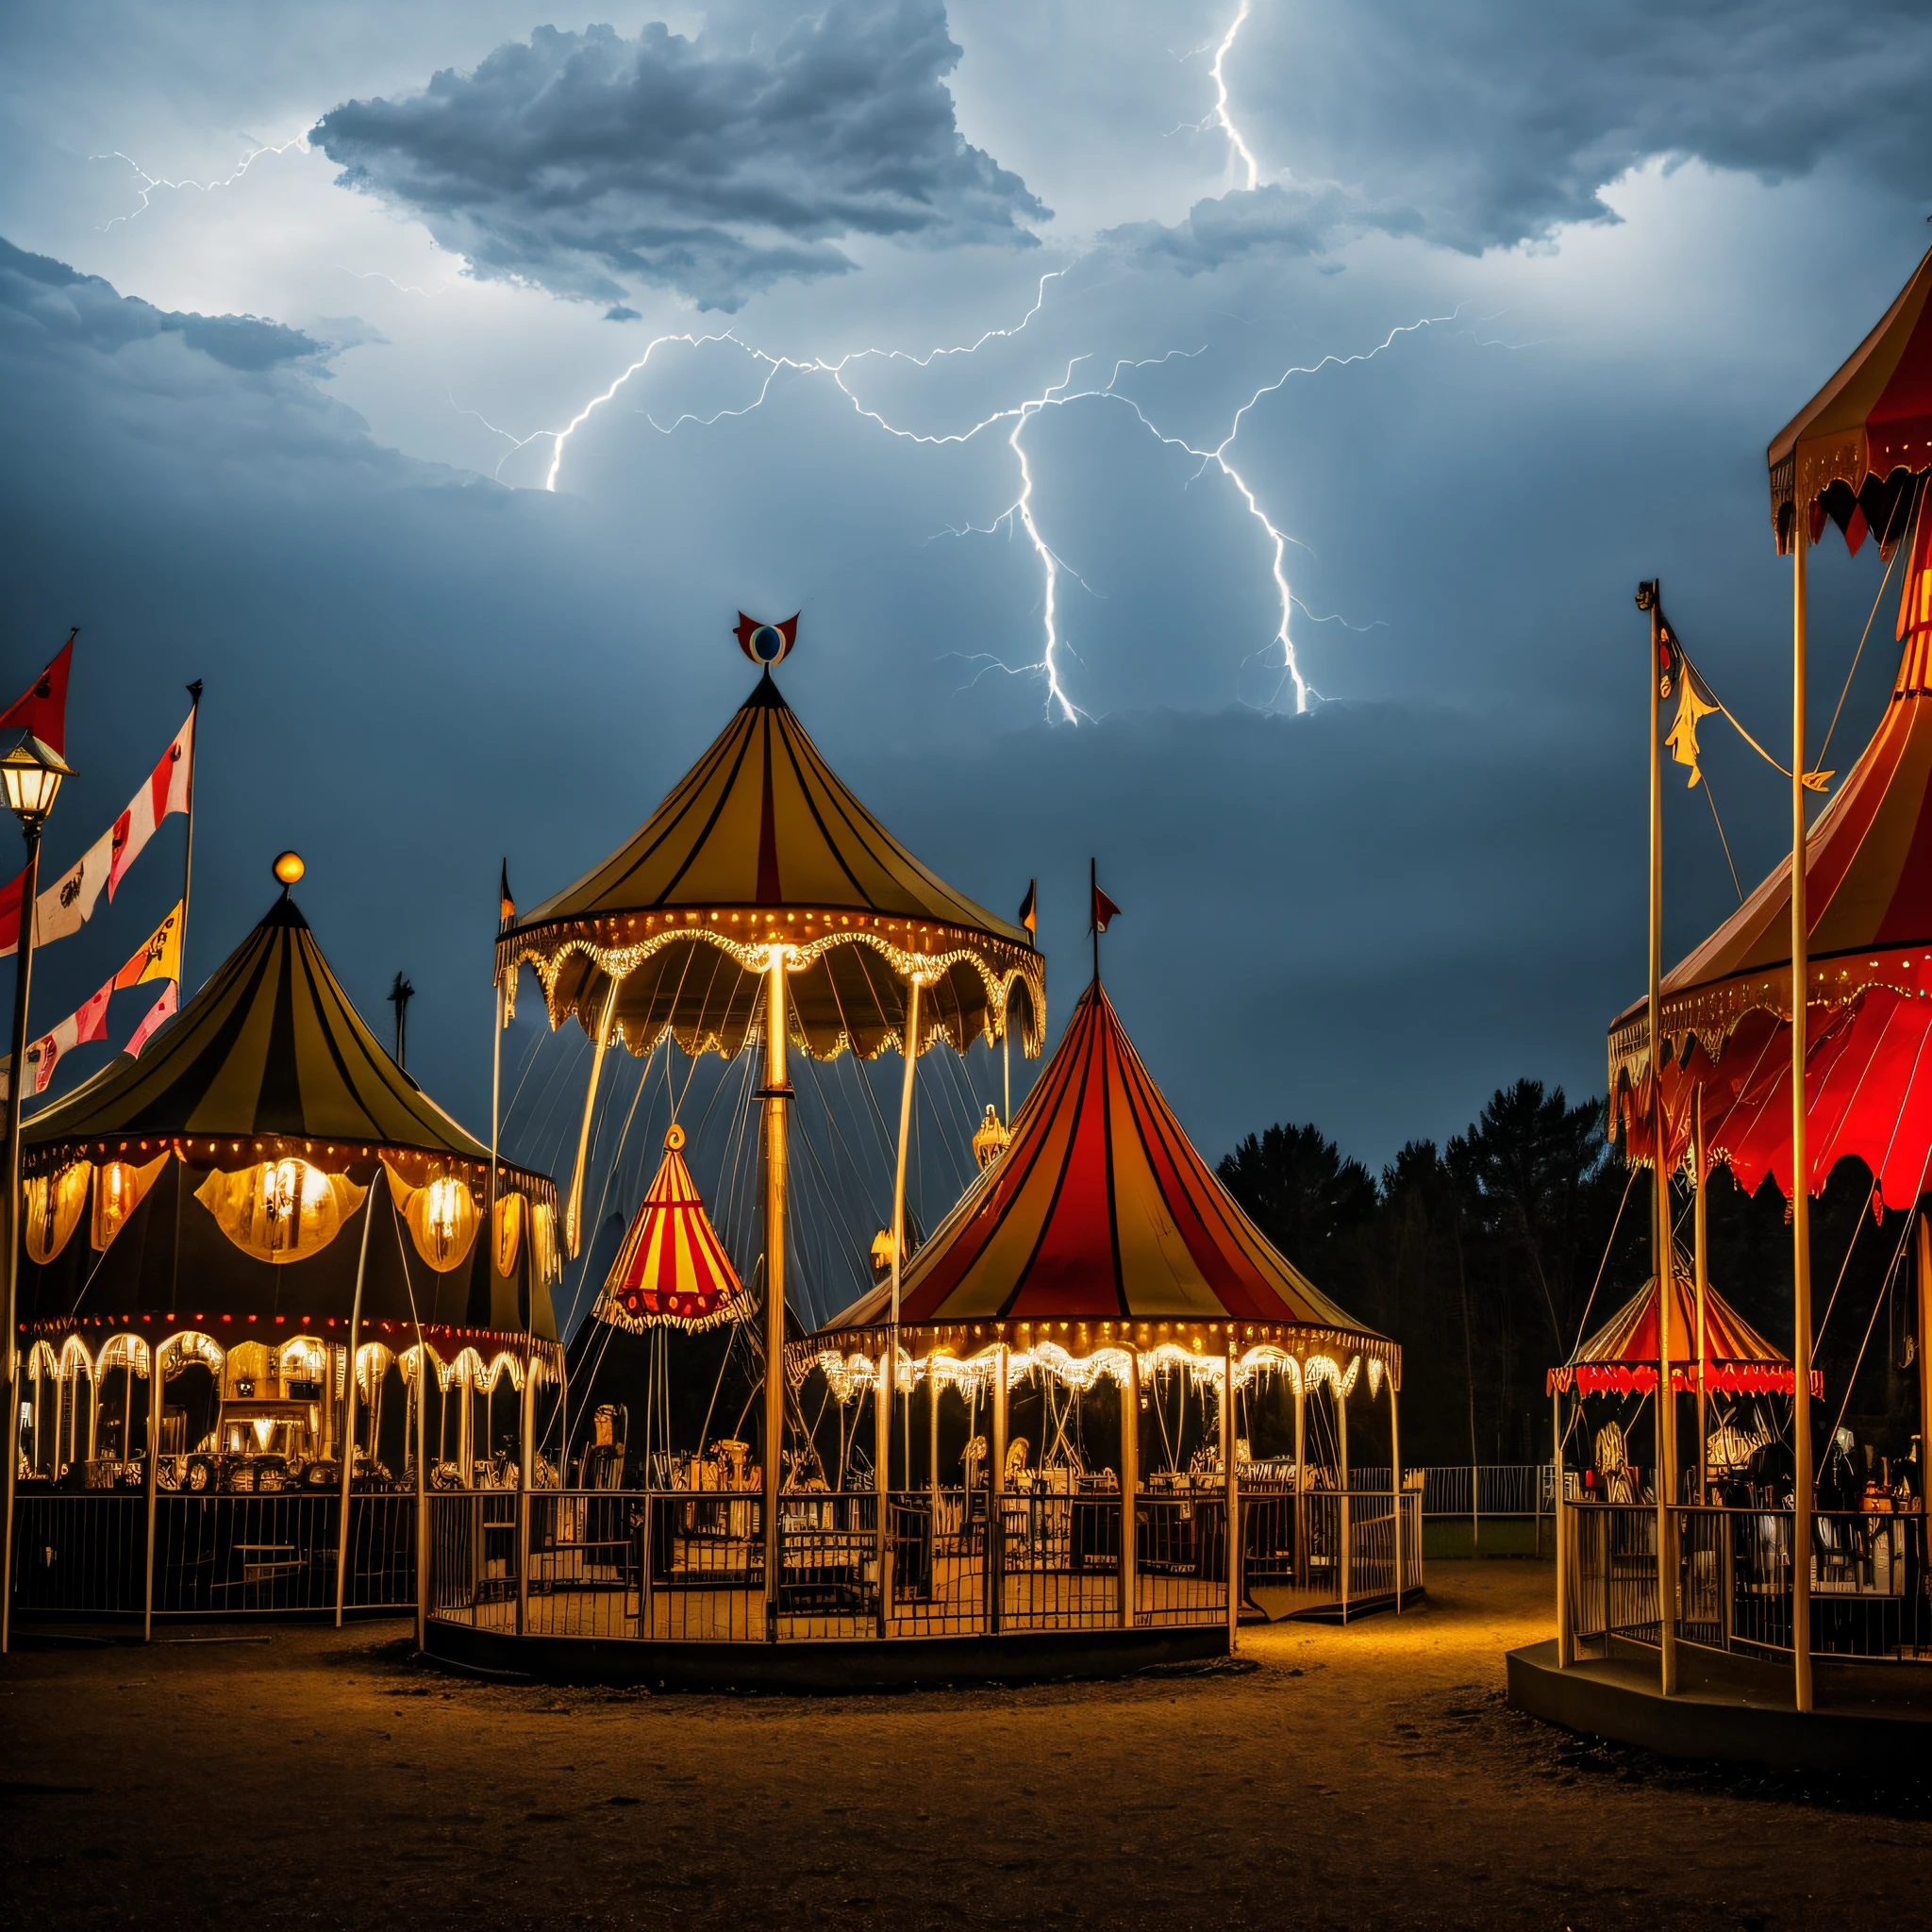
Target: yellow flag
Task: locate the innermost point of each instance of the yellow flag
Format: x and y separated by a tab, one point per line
160	958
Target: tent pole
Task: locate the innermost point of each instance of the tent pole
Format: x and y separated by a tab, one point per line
1343	1557
1662	1244
347	1445
1925	1271
1301	1474
995	1561
1395	1480
1232	1480
1566	1641
1701	1260
1130	1487
775	1092
1801	1159
150	1482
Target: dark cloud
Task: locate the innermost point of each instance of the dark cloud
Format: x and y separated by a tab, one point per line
585	162
1284	221
39	292
1498	120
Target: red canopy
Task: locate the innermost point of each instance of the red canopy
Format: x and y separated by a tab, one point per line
1100	1216
1726	1008
672	1270
1620	1357
1853	451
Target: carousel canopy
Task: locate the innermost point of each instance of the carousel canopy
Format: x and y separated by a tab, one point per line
1726	1008
1101	1219
673	1269
225	1171
761	844
1620	1357
1853	451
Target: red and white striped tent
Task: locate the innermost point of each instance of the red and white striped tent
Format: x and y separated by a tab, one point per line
672	1270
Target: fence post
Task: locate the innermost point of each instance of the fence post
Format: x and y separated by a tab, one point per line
1130	1489
422	1492
154	1457
1234	1502
1475	1506
1395	1482
995	1564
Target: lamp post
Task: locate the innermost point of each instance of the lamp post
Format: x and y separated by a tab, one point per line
31	772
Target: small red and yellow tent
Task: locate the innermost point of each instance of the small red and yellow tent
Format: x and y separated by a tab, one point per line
1620	1357
673	1271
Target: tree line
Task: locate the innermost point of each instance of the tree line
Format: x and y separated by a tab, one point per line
1491	1257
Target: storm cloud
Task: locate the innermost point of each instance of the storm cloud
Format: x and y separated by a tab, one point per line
1497	121
585	162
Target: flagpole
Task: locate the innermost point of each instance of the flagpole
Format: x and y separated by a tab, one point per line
1093	912
187	862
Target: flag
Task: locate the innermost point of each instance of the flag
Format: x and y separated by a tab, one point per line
42	709
509	909
87	1022
1695	700
163	1008
159	958
1029	906
167	789
1104	909
65	905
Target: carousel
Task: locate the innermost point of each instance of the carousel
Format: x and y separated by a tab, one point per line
1098	1337
270	1295
1794	1038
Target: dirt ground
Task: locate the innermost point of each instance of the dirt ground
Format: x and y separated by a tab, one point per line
1328	1777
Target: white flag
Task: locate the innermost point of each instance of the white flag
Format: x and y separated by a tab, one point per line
87	1021
163	1010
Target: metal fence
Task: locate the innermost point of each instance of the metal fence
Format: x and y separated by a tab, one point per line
89	1554
681	1566
1870	1594
1487	1489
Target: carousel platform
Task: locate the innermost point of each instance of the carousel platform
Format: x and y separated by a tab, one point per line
1873	1717
830	1665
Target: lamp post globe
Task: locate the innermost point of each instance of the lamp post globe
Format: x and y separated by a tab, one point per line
31	772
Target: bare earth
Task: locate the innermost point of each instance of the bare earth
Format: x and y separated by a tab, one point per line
1361	1777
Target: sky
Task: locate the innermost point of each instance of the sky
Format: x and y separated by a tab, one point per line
1220	438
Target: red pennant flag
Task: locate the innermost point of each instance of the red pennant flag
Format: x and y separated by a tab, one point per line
43	707
1104	909
167	789
163	1010
87	1021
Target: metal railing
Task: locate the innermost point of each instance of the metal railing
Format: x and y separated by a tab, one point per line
88	1553
674	1566
1870	1591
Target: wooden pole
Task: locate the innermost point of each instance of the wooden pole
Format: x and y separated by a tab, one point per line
1701	1262
775	1092
1130	1490
1395	1481
1231	1480
1801	1159
347	1446
1661	1244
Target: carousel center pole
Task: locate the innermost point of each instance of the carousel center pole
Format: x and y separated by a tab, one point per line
1801	1159
774	1094
888	1378
1665	1272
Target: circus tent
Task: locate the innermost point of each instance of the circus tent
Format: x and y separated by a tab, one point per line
1622	1356
1100	1225
1725	1010
222	1177
672	1269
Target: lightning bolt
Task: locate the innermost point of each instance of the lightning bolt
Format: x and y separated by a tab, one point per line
150	183
1221	118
